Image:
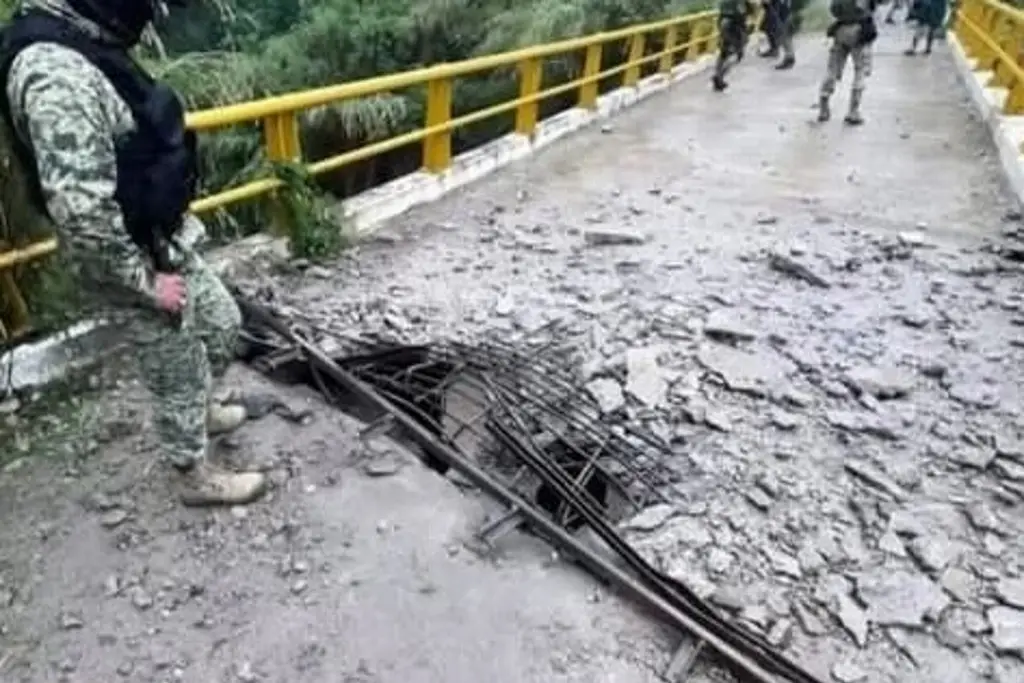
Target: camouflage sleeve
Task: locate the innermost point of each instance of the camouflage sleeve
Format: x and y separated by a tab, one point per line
61	105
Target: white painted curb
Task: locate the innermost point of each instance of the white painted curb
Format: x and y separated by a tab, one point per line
1007	131
32	366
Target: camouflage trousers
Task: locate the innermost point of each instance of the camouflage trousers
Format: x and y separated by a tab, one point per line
732	38
786	38
180	362
845	46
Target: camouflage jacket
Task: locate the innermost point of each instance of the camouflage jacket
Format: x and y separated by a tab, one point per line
71	115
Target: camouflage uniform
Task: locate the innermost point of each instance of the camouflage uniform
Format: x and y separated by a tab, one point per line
785	9
71	114
733	16
847	43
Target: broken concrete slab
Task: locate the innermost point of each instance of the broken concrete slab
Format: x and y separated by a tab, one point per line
881	382
1007	629
729	325
645	379
900	598
759	373
608	394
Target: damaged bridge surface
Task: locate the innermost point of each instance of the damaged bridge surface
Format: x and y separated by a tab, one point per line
816	319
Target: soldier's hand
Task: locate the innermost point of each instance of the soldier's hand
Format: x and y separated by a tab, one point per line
171	294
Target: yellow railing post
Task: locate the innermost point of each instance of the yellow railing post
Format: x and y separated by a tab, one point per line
437	146
1004	30
668	57
13	309
636	53
531	72
713	38
591	68
696	33
281	138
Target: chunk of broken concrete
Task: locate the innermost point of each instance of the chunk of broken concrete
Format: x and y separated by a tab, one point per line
1011	592
1007	629
612	238
900	598
728	325
608	394
853	619
645	379
650	518
758	373
872	475
881	382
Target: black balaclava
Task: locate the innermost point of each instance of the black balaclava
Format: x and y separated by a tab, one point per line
124	20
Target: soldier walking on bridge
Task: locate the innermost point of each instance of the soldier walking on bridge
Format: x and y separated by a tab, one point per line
853	30
777	24
733	17
770	26
929	17
785	37
111	164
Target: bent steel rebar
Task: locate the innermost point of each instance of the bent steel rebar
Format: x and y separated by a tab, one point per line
526	407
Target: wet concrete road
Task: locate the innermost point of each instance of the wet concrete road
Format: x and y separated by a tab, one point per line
850	458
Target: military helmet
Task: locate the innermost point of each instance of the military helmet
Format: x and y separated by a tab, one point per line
123	19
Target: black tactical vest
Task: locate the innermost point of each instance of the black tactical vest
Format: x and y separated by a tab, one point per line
156	163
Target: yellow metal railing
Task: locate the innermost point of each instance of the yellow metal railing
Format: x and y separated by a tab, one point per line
992	33
683	38
279	115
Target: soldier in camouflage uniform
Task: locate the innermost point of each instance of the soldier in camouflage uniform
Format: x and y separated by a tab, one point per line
733	18
930	17
70	116
785	34
852	32
771	27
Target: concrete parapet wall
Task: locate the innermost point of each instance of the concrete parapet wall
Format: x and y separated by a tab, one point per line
1007	131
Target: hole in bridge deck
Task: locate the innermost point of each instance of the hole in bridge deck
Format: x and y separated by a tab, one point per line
489	416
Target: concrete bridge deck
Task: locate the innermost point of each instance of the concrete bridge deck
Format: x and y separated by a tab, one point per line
865	509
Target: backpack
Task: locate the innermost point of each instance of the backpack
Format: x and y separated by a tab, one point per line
845	11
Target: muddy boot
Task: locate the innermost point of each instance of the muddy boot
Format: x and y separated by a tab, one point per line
224	417
787	63
853	118
206	484
824	111
718	83
770	53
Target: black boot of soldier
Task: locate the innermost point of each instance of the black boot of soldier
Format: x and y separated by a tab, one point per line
718	83
786	63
